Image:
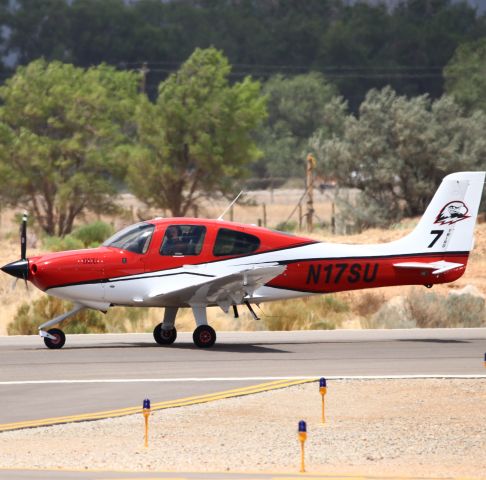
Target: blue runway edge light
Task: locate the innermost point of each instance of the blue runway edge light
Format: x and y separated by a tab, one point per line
302	426
322	383
146	404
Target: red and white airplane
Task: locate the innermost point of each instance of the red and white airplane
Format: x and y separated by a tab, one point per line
190	262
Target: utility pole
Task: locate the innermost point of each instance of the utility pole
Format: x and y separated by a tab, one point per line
143	82
311	164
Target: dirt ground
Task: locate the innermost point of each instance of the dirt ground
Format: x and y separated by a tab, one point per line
393	428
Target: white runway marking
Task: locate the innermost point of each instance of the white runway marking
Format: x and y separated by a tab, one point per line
235	379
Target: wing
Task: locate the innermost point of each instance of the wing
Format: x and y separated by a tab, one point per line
437	267
226	289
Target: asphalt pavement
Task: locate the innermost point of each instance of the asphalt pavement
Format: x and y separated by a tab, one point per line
95	373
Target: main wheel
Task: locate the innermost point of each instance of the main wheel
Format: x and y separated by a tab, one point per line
164	337
204	336
58	341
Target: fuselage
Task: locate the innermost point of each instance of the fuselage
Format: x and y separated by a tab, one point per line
110	275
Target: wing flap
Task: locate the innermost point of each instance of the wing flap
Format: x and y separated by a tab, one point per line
225	289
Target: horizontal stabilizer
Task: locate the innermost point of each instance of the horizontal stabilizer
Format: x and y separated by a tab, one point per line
437	267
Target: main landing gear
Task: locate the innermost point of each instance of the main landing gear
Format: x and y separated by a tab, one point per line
55	338
204	336
164	337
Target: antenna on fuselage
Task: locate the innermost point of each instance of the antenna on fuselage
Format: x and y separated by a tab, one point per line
230	205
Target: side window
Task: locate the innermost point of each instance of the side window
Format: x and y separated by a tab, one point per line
232	242
183	240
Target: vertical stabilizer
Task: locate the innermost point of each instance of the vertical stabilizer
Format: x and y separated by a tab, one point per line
448	223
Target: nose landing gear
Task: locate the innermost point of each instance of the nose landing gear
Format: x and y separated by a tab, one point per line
55	338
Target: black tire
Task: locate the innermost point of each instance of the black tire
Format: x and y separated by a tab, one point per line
164	337
59	341
204	336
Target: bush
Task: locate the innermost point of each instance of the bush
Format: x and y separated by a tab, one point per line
118	320
93	234
290	226
320	312
368	303
59	244
87	236
431	310
392	314
467	310
30	315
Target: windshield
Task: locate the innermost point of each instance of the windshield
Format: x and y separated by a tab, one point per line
135	238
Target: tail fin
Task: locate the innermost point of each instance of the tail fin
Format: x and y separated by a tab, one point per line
448	223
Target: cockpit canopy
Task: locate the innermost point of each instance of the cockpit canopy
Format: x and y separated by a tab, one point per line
135	238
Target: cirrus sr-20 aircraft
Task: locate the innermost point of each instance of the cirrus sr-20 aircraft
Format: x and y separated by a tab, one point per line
196	263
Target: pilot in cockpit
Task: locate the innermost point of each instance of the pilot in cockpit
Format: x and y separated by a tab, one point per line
173	241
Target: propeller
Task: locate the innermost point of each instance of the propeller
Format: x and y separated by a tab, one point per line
23	237
20	268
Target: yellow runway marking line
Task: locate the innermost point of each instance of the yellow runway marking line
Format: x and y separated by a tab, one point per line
335	476
182	402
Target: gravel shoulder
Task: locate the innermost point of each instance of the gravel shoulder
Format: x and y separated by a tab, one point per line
422	427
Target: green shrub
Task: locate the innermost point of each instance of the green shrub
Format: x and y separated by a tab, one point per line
30	315
117	320
59	244
87	236
93	234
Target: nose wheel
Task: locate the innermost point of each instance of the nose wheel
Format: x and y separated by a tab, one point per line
164	337
204	336
56	340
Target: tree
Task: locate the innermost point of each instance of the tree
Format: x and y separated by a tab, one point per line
60	130
397	151
405	46
107	31
297	106
195	141
39	29
357	44
465	75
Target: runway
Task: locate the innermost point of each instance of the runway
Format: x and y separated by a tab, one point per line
105	372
